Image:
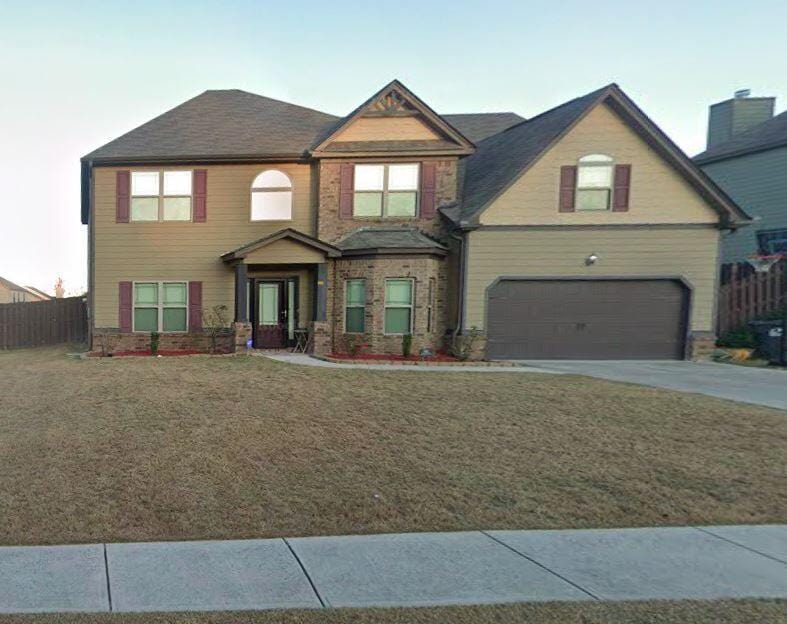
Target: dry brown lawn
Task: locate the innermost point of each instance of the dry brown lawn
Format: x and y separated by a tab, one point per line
654	612
199	447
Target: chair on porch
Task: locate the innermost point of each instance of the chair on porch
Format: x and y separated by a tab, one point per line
303	340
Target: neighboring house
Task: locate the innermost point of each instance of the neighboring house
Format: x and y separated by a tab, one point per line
747	157
13	293
581	233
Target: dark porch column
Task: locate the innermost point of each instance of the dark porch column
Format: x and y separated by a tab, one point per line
241	290
321	292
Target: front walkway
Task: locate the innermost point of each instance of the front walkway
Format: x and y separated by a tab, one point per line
307	360
412	569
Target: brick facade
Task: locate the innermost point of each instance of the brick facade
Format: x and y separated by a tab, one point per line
107	341
423	269
331	228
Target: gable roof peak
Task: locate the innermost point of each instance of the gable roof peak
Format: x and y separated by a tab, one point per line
406	99
503	158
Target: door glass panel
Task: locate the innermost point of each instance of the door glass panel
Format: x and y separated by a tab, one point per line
269	304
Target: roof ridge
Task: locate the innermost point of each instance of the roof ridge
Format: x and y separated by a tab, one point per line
552	110
270	99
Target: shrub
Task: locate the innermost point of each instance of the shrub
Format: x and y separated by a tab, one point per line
737	339
154	338
461	345
407	345
215	321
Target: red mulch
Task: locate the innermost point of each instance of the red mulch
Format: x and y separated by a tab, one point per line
438	357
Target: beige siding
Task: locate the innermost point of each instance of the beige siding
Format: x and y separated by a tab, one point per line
658	194
285	251
689	252
187	251
5	294
387	129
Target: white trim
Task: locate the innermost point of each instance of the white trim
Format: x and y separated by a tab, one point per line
160	197
411	307
270	189
362	306
159	307
385	192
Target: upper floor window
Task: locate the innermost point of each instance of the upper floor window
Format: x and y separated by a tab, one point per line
18	296
271	197
161	196
386	190
594	182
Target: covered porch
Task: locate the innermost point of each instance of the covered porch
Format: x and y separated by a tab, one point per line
281	289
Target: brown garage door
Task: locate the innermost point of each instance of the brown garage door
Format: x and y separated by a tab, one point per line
587	319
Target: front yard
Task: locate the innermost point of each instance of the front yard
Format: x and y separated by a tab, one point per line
199	447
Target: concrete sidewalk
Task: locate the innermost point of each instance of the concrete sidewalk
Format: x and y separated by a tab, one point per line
304	359
413	569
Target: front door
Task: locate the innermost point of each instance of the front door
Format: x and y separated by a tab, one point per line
270	329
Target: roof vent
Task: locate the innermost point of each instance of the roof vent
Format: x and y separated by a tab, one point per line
742	93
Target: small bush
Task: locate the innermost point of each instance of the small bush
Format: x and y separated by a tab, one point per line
154	338
737	339
407	345
461	345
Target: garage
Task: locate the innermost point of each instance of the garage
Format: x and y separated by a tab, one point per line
587	319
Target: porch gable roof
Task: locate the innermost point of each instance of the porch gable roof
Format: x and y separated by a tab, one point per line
288	233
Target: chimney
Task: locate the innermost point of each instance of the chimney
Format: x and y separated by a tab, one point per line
728	118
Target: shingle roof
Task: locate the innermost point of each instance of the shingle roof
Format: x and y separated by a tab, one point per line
766	135
226	123
479	126
501	158
10	285
388	238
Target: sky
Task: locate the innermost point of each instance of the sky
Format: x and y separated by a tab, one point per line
75	75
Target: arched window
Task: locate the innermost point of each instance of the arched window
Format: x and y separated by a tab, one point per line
271	197
594	182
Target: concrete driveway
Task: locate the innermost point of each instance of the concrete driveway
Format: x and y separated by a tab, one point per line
725	381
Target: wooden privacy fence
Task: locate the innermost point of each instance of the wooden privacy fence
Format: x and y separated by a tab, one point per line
745	295
43	322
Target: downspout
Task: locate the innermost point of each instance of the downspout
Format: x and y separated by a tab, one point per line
460	300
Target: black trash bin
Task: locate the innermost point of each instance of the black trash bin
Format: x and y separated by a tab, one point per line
769	339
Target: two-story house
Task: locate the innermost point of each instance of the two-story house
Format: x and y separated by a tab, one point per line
583	232
746	156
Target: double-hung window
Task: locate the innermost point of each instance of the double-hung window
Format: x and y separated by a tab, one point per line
398	306
386	190
160	306
161	196
354	306
594	182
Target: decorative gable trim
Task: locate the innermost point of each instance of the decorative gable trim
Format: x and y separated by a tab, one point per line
396	100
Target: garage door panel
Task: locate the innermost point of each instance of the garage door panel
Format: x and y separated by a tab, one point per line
587	319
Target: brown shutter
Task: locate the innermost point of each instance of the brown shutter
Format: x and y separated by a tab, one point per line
620	199
428	195
568	188
195	306
122	196
125	298
199	182
346	176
